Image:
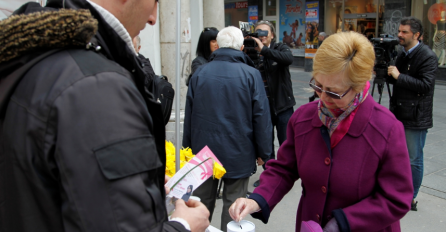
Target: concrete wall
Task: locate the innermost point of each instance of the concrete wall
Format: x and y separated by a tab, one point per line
168	29
150	45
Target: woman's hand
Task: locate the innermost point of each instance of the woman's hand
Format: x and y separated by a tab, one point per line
242	207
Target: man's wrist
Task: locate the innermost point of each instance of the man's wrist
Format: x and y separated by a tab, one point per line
181	221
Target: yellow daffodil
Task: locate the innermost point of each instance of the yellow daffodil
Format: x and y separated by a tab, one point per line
186	153
219	170
185	156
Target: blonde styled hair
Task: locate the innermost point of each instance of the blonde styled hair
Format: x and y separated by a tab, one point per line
347	52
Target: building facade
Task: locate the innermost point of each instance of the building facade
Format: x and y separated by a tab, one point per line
298	22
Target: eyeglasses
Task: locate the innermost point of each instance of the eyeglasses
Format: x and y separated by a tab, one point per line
209	28
329	94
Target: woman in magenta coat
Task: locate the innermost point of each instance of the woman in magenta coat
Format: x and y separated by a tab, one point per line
349	151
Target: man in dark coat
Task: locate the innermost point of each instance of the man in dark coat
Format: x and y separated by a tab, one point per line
81	142
275	59
413	93
227	110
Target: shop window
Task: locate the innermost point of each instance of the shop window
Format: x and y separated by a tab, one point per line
270	8
434	27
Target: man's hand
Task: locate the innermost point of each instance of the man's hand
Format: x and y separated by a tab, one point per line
166	178
242	207
194	212
393	71
260	161
259	43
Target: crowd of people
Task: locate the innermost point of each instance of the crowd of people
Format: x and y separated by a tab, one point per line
82	143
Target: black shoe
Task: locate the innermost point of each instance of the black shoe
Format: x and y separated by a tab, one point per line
257	183
413	206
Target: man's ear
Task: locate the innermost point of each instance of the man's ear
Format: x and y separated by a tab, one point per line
243	46
417	35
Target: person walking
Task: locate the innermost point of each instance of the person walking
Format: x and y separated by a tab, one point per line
82	144
412	102
227	110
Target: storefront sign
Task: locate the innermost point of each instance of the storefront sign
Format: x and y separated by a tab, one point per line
230	5
253	14
312	31
309	53
292	25
240	5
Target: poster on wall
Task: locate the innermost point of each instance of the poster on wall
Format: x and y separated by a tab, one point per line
292	25
311	28
253	14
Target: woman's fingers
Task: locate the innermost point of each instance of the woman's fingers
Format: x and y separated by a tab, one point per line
242	207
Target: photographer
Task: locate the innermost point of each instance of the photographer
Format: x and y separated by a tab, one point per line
413	90
274	62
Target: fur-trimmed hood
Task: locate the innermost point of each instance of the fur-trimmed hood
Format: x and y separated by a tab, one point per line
60	24
34	30
41	31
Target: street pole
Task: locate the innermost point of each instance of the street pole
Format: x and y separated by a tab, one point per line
177	89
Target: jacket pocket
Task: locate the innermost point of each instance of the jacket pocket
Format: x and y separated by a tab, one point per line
406	110
128	157
131	168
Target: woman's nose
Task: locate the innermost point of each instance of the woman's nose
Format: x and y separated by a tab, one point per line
323	96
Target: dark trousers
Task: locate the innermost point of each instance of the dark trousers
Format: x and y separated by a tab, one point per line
280	121
233	189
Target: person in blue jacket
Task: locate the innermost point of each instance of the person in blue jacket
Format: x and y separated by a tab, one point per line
227	109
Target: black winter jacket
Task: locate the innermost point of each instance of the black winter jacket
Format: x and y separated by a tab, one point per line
413	91
277	60
81	143
196	63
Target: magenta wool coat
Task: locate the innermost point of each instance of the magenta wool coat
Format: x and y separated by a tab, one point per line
367	175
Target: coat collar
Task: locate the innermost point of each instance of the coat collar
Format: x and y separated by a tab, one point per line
412	53
361	120
231	55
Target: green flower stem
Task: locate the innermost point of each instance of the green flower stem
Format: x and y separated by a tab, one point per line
189	172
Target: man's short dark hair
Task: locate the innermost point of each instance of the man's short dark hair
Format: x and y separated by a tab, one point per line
414	23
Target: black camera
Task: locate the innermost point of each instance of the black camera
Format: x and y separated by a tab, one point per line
385	55
251	43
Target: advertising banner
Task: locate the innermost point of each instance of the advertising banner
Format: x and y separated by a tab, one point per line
253	14
292	25
311	28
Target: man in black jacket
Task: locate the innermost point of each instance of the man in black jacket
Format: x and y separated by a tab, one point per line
82	145
413	92
275	59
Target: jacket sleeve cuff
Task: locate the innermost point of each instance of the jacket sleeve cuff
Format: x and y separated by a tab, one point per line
264	212
174	226
181	221
264	50
343	224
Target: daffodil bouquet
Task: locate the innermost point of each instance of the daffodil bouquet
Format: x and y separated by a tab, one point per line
195	169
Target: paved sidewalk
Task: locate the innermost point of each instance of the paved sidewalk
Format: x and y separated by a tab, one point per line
431	214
